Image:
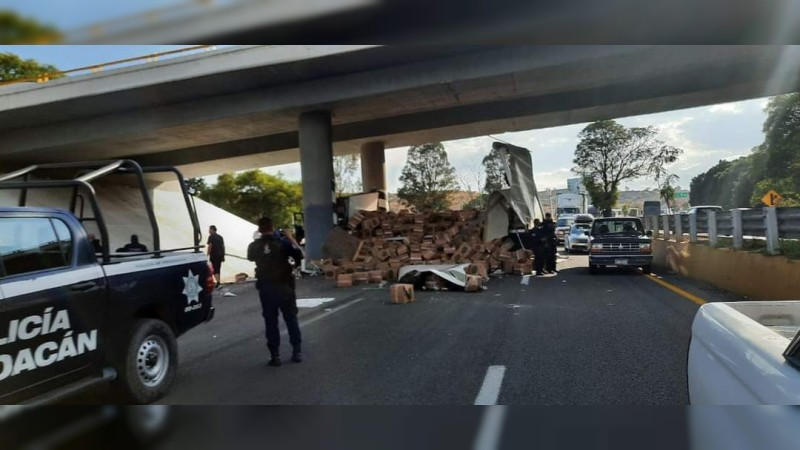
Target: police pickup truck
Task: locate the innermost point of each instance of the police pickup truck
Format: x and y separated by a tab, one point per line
72	313
619	242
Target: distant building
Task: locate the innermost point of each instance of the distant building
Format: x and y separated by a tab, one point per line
575	186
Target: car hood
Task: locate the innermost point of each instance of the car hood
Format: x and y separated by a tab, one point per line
603	239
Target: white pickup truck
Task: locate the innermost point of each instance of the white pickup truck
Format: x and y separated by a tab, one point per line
745	353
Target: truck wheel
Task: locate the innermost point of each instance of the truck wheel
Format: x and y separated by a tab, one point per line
151	360
593	269
646	269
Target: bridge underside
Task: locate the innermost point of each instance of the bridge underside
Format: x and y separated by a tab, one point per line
244	108
249	118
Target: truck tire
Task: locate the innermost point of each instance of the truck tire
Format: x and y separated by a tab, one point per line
647	269
593	269
151	361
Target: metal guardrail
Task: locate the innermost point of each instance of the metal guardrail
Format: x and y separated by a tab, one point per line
769	224
789	223
149	58
724	223
753	222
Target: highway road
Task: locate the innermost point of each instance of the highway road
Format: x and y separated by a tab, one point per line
618	338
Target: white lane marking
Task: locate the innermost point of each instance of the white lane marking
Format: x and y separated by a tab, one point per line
490	389
525	280
312	320
490	430
312	302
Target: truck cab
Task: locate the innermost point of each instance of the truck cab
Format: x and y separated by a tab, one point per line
73	314
619	242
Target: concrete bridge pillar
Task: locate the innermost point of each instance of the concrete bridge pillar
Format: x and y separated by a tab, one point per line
316	169
373	166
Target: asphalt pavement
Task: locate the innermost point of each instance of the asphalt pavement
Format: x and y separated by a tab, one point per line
573	338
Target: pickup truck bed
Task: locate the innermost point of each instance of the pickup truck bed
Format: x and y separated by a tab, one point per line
736	354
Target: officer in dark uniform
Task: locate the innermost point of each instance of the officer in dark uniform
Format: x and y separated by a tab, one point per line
276	286
549	235
536	238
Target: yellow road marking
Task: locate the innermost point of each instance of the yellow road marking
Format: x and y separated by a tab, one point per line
677	290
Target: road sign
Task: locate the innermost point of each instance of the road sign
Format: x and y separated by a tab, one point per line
771	198
681	195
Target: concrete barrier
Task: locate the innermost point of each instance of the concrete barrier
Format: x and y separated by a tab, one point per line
750	274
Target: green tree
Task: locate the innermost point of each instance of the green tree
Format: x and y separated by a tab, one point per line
495	171
15	29
254	194
12	68
609	153
427	178
346	174
196	186
666	190
777	161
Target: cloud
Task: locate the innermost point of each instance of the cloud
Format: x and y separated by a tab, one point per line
555	179
288	171
726	108
706	134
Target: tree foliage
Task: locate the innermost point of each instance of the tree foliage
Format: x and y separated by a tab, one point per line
15	29
346	171
728	184
427	178
254	194
495	171
196	186
12	67
773	165
666	190
609	153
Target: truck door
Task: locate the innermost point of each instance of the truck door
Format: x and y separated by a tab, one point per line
52	306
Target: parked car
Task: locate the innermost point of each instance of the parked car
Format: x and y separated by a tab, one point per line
578	237
620	242
699	209
563	224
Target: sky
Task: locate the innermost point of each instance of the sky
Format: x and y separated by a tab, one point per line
68	15
706	134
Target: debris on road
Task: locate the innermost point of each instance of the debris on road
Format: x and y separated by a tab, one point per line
241	277
402	293
390	247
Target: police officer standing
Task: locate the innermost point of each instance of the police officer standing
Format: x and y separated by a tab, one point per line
536	238
549	234
276	286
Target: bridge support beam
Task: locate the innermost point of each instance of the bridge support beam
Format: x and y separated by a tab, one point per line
316	169
373	166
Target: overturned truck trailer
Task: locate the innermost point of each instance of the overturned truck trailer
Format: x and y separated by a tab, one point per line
516	205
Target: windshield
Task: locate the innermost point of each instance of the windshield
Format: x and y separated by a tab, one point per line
581	228
622	226
564	222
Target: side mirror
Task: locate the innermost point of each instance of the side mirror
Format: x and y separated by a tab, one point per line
587	233
649	233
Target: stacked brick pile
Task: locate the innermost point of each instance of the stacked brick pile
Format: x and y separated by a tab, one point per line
389	241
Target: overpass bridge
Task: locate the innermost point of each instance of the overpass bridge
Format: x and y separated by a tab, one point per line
255	106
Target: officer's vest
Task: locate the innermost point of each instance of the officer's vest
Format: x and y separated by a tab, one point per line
272	262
